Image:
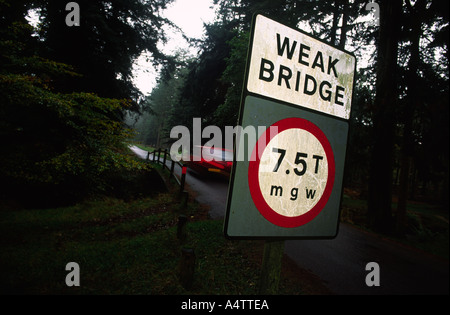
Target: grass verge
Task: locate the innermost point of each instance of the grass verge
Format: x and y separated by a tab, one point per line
129	248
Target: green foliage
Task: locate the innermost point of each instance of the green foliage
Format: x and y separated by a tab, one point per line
52	136
226	114
95	140
195	89
204	90
72	140
111	35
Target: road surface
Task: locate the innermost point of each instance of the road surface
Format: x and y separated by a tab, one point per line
210	191
341	262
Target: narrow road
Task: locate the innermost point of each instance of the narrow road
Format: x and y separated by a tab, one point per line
210	191
341	262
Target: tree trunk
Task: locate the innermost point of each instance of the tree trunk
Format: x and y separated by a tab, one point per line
413	97
344	28
380	182
334	26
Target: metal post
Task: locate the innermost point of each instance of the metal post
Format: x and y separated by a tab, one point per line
271	267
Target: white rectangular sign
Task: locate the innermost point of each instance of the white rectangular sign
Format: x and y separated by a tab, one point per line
290	66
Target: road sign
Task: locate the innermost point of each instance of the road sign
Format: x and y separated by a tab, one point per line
291	181
291	66
290	184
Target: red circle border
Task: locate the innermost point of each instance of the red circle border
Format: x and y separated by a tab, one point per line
253	172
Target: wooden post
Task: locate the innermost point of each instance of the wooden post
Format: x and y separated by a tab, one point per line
172	167
271	267
184	198
187	267
181	227
183	178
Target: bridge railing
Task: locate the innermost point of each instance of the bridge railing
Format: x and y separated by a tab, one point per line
165	154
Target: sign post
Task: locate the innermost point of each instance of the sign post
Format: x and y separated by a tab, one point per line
288	185
271	267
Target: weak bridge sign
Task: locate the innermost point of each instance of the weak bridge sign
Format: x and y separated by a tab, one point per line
290	184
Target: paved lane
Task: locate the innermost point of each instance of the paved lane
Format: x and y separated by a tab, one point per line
210	191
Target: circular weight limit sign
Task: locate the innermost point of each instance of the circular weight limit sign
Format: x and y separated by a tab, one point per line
291	172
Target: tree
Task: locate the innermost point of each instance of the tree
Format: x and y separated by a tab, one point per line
227	113
421	20
411	102
111	35
204	90
380	183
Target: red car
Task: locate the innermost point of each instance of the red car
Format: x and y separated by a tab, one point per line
212	160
